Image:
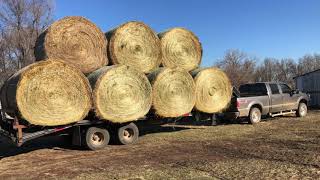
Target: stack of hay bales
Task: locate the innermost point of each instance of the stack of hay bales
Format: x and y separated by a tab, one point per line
72	78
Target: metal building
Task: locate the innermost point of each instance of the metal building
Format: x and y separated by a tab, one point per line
310	83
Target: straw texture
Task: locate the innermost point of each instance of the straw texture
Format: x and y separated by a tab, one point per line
173	92
180	48
134	44
213	90
120	93
75	40
47	93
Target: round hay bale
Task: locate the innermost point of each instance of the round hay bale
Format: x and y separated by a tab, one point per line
173	92
213	90
120	93
180	48
47	93
134	44
75	40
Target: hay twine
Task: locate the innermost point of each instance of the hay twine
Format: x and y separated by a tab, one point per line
121	93
213	90
180	48
75	40
173	92
136	45
48	93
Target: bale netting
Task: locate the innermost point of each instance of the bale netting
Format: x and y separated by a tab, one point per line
213	90
120	93
75	40
134	44
180	48
47	93
173	92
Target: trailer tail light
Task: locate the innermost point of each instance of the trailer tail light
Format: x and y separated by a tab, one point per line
238	104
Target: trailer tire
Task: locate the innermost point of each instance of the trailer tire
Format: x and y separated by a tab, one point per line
302	110
127	134
97	138
254	115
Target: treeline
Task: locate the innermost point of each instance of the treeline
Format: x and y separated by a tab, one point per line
242	68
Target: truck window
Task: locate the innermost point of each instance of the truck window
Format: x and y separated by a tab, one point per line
274	89
285	89
258	89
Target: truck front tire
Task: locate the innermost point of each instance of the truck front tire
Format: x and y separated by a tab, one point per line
302	110
254	115
97	138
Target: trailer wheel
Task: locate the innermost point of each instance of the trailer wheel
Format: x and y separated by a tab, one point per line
254	115
127	134
302	110
97	138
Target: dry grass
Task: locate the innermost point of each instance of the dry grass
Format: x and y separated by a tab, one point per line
280	148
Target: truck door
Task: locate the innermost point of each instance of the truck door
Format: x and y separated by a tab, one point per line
275	98
289	100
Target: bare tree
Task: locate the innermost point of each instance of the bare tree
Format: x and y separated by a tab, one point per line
266	71
21	22
238	66
308	63
285	70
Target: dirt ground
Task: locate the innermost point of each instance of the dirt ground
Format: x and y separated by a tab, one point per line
279	148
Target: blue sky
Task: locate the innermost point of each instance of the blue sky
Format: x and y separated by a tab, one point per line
261	28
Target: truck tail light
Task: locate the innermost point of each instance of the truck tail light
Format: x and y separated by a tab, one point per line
238	104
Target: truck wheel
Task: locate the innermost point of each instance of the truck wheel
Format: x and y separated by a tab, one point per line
302	110
97	138
254	115
127	134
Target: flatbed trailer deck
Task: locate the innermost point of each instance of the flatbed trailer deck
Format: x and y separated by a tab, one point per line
93	134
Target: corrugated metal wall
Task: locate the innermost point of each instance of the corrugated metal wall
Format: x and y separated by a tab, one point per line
310	83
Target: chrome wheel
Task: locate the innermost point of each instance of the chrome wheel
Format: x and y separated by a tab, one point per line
128	134
97	138
255	116
303	110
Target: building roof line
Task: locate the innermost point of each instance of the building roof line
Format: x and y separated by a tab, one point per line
306	73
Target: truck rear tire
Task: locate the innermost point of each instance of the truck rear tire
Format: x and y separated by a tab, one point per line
302	110
97	138
127	134
254	115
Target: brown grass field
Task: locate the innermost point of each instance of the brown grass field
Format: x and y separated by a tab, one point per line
279	148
